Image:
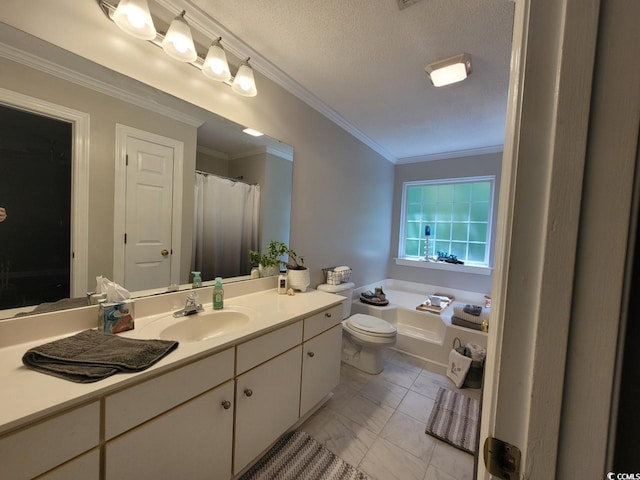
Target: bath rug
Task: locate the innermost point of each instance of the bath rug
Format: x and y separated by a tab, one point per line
297	456
454	419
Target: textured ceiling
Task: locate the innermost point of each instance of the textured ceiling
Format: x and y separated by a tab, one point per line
365	59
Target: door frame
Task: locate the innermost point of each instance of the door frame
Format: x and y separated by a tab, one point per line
548	351
123	133
80	122
553	53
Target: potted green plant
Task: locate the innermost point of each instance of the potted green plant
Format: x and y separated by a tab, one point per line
267	263
297	274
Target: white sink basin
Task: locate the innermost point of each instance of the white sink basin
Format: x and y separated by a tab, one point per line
205	325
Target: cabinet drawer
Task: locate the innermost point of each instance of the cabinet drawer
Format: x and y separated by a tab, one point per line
135	405
34	450
86	467
322	321
259	350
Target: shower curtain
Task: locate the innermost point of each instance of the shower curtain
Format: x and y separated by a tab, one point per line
225	227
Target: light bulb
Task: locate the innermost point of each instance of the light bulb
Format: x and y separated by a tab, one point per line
133	17
178	43
215	65
244	83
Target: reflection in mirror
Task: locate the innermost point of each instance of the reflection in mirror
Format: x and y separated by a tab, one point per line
210	144
35	180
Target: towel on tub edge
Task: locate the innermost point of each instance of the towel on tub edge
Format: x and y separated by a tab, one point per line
459	311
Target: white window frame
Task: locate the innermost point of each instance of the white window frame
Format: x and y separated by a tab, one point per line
471	267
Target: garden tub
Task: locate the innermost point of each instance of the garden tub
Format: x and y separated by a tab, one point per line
426	335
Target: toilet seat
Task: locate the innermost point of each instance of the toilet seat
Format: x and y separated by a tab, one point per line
370	325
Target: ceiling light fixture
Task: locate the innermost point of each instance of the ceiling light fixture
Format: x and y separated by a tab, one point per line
243	83
178	42
133	17
451	70
215	65
252	132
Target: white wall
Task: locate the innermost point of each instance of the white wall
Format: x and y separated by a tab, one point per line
479	165
342	190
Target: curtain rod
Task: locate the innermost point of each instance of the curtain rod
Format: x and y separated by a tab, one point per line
240	180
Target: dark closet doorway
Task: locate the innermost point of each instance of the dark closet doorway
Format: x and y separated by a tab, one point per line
35	190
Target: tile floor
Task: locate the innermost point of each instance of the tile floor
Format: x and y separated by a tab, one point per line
377	423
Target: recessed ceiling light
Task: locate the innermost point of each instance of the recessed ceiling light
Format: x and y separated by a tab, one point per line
251	131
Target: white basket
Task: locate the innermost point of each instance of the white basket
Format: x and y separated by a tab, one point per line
332	277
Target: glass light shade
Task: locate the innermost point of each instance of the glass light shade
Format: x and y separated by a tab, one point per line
215	65
451	70
178	43
448	75
133	17
243	83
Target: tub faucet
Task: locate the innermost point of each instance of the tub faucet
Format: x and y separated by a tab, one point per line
191	306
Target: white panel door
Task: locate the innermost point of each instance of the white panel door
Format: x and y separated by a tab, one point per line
149	209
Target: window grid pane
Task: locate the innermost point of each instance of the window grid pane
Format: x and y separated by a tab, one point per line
458	214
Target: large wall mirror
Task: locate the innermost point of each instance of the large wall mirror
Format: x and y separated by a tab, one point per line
112	116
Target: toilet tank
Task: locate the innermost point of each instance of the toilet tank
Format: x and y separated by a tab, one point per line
345	290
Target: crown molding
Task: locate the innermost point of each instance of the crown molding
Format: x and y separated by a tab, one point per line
454	154
64	73
206	25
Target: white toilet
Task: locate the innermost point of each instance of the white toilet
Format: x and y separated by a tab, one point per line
363	336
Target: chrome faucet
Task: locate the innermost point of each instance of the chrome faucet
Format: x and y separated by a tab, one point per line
191	306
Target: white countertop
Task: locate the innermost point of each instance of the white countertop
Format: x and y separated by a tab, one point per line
28	395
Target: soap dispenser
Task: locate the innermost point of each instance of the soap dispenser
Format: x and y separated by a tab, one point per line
218	294
197	280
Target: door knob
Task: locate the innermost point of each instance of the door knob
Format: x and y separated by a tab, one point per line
226	404
311	354
164	252
248	392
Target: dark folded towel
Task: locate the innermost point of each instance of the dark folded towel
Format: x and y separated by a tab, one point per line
464	323
92	355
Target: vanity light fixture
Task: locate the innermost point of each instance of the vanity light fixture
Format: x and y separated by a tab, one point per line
215	65
252	132
178	42
243	83
134	18
451	70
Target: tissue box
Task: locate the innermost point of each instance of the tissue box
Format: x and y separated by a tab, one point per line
116	317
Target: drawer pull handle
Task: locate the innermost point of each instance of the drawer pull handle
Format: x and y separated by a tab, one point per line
311	354
226	404
248	392
328	314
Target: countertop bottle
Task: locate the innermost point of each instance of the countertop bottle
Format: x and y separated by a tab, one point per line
197	280
218	295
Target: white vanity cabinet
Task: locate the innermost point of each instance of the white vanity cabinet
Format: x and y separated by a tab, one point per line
175	425
268	395
320	367
41	447
86	467
191	441
322	351
206	416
